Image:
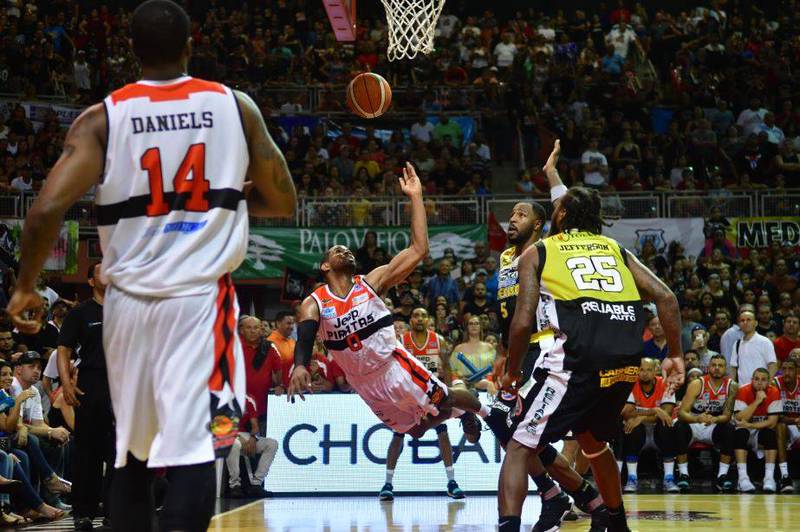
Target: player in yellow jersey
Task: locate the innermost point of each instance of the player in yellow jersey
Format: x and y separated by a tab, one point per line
589	287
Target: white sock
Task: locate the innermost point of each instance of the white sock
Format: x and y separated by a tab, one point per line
669	467
723	469
451	474
484	411
683	468
619	465
769	472
742	469
632	468
389	475
784	469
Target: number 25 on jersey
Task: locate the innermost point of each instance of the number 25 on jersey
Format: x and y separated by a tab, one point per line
194	163
598	272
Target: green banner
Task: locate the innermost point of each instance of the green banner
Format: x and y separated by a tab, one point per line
63	257
271	249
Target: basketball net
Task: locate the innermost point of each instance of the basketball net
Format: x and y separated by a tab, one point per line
412	24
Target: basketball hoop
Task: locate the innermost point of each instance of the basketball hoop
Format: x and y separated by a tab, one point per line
412	24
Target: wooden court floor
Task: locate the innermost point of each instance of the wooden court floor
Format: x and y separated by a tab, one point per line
717	513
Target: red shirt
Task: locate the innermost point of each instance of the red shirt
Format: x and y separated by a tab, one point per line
657	397
328	368
259	381
784	346
771	405
249	413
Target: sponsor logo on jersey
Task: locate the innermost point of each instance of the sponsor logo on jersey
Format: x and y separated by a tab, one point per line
548	396
329	312
184	227
609	377
361	298
615	311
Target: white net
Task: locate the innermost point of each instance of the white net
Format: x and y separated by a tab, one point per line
412	24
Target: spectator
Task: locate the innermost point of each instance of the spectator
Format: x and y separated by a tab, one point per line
478	303
774	133
422	129
620	37
752	118
472	361
656	347
281	339
765	324
250	443
733	333
781	280
82	73
262	364
758	407
612	62
790	339
442	285
448	129
595	166
6	345
752	351
505	52
700	338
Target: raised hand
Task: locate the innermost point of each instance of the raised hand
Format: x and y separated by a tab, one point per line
409	182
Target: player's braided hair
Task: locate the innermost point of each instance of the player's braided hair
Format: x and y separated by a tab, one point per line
582	206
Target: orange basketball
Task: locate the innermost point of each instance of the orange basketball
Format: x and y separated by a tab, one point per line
369	95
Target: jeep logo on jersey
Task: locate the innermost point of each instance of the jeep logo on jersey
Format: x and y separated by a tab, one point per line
261	249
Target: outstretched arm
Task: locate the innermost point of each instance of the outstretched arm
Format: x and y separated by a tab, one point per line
384	277
557	188
78	168
272	193
519	332
307	327
668	312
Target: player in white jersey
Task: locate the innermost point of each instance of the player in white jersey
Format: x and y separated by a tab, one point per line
353	322
169	156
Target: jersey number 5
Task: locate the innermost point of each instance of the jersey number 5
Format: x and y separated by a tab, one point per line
194	162
598	272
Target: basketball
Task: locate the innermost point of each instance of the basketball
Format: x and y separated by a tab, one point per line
369	95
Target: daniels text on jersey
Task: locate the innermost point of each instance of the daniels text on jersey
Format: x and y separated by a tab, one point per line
172	122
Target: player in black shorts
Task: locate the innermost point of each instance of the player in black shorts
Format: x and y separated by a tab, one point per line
586	287
524	229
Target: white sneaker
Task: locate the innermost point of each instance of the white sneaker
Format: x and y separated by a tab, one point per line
769	485
745	486
632	486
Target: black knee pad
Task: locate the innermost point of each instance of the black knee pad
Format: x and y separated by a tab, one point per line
740	438
768	439
441	429
723	438
189	503
548	455
683	436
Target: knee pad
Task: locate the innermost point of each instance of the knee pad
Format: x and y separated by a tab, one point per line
768	439
441	429
723	437
740	438
190	498
548	455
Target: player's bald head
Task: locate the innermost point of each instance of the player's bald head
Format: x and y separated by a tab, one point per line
160	31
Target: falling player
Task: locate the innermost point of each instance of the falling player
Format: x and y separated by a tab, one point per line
169	156
358	331
525	228
433	351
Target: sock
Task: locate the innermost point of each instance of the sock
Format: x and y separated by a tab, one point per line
632	466
586	497
451	474
769	471
616	518
509	523
484	411
784	469
619	465
389	475
723	469
683	468
668	469
546	486
742	469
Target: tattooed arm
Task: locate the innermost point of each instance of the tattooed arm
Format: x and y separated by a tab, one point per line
272	193
78	168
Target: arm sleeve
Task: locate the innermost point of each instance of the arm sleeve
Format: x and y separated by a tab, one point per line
304	348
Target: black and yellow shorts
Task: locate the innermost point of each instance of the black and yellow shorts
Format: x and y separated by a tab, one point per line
560	401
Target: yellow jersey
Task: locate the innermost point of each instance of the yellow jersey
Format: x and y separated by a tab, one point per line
588	295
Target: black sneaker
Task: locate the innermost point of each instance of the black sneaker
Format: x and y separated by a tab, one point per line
786	485
553	511
599	519
617	522
683	482
387	492
724	484
257	492
237	492
83	523
472	427
570	516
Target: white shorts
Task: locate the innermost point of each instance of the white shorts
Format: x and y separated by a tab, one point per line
170	361
402	393
702	433
792	435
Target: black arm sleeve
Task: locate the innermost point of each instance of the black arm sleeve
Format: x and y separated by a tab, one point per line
306	332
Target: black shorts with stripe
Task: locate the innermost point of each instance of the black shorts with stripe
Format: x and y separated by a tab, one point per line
564	401
506	411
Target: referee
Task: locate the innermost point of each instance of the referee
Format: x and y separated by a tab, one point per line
82	336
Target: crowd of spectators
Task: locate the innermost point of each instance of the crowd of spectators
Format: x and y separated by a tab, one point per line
642	98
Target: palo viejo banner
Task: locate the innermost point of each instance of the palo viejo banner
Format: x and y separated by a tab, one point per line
761	232
271	249
63	257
